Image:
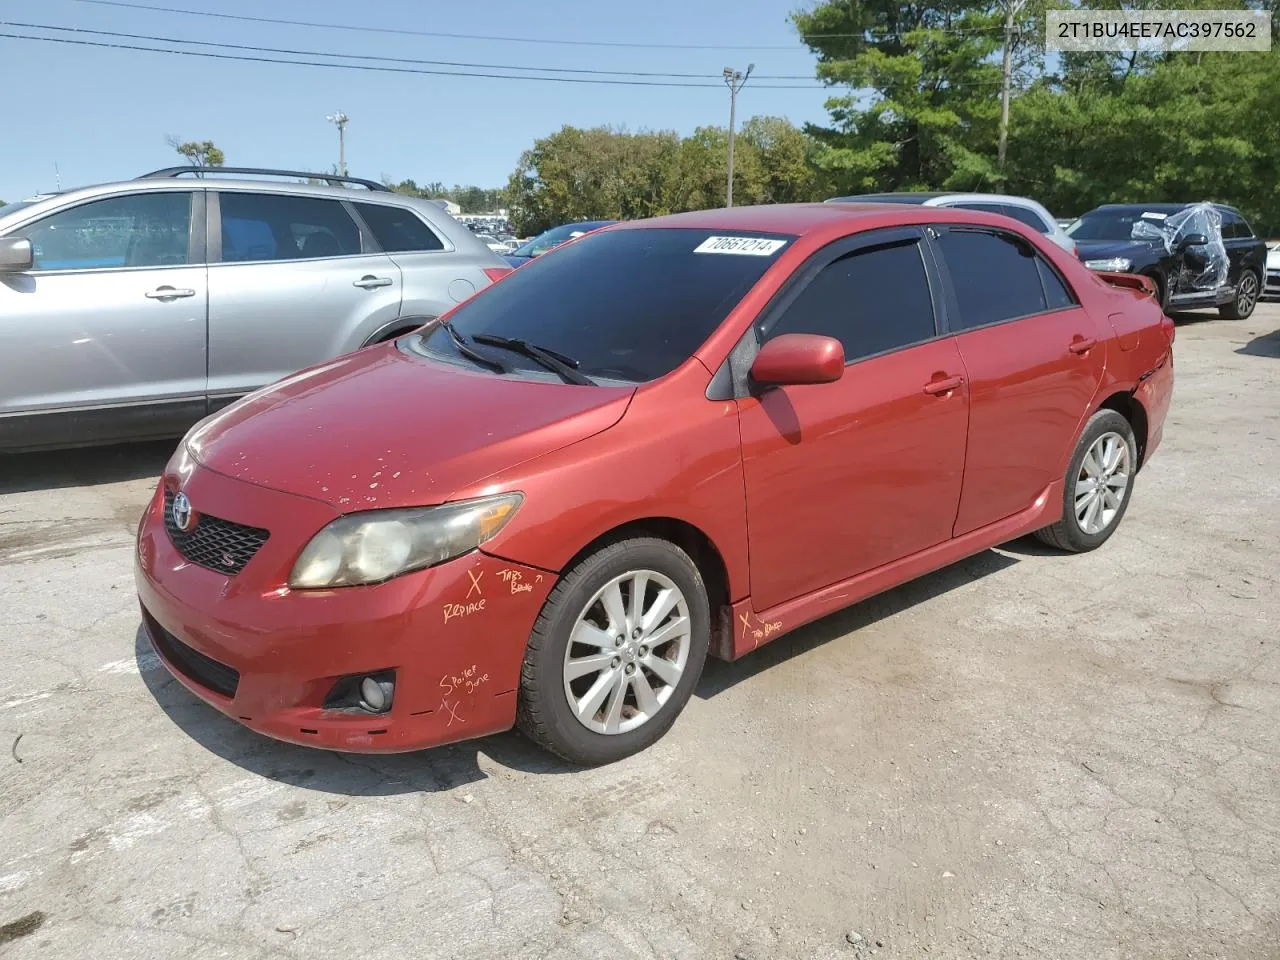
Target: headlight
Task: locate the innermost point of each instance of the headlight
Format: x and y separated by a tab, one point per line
1114	265
380	544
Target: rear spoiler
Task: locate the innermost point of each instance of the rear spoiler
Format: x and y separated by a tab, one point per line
1131	281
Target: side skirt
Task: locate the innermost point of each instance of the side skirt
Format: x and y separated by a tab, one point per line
752	628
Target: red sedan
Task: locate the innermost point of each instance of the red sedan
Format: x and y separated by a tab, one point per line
665	440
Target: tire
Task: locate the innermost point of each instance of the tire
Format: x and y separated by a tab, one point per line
1248	291
577	607
1162	296
1071	533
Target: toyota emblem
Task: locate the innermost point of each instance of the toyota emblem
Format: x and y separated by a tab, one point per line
182	512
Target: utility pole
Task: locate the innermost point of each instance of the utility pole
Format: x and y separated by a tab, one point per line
1011	10
734	80
339	120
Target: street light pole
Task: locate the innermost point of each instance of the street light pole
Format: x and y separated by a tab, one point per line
734	80
340	119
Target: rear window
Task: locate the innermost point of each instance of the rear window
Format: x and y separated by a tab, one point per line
629	305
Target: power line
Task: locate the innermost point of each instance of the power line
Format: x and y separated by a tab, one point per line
433	33
371	68
382	59
366	28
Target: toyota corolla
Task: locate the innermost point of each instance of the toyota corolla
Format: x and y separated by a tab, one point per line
666	440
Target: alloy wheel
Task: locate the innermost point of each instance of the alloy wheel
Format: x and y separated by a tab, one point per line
627	652
1101	483
1247	295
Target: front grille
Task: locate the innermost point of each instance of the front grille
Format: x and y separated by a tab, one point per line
191	663
214	543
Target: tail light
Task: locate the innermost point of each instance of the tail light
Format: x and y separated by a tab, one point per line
496	273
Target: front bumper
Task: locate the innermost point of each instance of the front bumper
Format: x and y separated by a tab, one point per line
269	657
1271	286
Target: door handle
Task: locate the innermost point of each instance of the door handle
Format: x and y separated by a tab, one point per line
370	282
1082	345
168	293
938	387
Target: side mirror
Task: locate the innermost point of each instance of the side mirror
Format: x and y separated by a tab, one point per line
1192	240
797	358
15	255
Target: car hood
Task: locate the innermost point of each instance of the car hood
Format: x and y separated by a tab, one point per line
1106	249
378	429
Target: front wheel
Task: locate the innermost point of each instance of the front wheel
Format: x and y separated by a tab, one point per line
1246	298
1098	485
615	653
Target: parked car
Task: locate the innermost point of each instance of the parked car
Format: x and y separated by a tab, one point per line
131	310
1272	288
552	238
1021	209
1160	241
666	440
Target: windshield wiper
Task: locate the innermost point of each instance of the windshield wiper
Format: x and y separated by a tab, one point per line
466	350
564	366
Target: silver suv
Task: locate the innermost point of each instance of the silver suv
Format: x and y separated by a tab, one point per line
131	310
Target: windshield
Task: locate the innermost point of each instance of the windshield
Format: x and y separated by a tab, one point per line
627	305
556	235
1112	224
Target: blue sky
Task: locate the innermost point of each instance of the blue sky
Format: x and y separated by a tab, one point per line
104	114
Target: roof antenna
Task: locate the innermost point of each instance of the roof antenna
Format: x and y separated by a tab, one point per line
57	177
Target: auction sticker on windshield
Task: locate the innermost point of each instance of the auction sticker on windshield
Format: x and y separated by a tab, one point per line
748	246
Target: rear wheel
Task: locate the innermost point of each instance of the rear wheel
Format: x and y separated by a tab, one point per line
1098	485
1247	291
615	653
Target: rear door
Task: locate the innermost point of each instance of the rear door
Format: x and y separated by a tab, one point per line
436	277
111	316
844	477
293	281
1034	359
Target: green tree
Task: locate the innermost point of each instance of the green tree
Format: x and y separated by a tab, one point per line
603	173
920	106
199	153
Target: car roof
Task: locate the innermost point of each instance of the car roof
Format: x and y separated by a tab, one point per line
798	219
900	197
1153	207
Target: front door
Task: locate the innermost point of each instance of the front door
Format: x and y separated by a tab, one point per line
292	282
112	314
1034	359
847	476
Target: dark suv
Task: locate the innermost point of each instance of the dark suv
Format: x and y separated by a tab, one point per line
1126	238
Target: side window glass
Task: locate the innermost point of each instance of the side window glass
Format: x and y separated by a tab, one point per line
142	230
870	300
1029	217
1056	294
398	230
269	226
994	277
1244	231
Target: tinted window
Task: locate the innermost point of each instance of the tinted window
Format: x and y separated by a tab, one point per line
628	305
398	230
870	300
269	226
1234	227
1056	293
143	230
1246	231
1112	224
1029	217
994	278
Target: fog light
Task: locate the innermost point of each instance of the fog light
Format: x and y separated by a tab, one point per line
375	695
